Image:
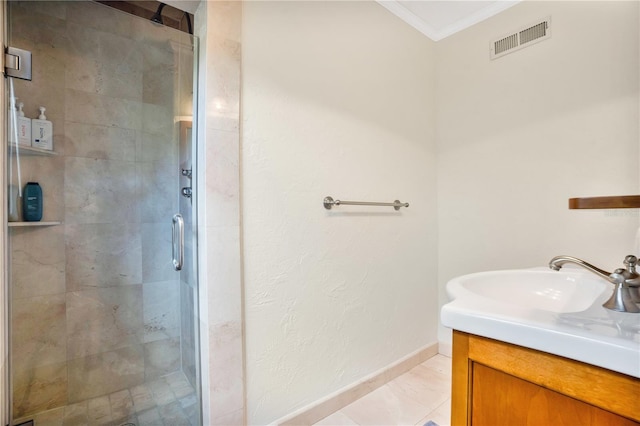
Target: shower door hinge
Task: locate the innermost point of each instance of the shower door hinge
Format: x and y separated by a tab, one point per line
17	63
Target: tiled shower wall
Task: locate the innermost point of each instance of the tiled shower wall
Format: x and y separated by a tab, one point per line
95	302
218	24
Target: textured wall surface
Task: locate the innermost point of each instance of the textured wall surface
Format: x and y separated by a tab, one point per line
337	100
519	136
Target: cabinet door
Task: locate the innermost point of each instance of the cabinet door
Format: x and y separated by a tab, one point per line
501	399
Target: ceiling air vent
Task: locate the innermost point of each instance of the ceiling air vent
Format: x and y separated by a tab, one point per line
526	36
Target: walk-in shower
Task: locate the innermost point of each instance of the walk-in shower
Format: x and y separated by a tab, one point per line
103	329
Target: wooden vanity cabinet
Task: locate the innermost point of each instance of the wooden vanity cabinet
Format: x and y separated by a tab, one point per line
497	383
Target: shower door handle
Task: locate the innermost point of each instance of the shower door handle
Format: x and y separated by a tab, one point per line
177	247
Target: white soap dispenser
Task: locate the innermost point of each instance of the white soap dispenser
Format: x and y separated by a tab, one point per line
42	131
24	127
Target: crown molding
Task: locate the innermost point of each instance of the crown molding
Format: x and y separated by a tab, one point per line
479	16
409	17
419	24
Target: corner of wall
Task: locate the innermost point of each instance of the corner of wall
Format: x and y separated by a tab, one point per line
218	25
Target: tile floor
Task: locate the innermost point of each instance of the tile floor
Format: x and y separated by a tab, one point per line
169	400
420	395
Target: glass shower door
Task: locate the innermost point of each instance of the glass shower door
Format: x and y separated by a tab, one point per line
102	328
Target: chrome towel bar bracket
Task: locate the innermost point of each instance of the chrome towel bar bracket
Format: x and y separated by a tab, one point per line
329	202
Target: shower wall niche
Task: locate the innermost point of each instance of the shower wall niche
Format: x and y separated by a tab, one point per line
96	310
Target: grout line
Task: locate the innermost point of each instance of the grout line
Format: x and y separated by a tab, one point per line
430	415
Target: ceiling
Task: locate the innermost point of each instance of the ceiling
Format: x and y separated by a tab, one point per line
435	19
440	19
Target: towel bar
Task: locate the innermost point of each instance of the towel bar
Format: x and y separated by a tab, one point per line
329	202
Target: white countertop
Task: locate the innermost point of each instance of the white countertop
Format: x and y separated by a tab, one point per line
596	335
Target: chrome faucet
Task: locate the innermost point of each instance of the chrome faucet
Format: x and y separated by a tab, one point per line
557	262
627	281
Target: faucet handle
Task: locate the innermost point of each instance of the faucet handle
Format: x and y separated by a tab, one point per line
630	262
632	278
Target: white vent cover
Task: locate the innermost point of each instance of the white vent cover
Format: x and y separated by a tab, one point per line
524	37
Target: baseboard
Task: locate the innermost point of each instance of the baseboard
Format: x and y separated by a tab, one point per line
445	348
322	408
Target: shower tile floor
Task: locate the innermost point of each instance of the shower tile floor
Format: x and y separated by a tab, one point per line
418	396
169	400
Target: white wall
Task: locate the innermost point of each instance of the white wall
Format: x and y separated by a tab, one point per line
338	100
519	136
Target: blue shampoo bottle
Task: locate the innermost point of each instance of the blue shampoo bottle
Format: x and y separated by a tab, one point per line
32	202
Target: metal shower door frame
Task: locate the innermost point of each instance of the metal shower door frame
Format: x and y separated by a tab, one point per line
4	296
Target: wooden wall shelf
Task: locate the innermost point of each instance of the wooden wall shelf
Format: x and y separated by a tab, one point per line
616	202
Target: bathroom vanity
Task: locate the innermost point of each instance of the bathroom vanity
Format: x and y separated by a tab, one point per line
536	347
497	383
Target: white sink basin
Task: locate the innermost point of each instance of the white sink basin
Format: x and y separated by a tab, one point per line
558	312
538	289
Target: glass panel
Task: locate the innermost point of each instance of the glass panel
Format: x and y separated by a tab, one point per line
103	328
